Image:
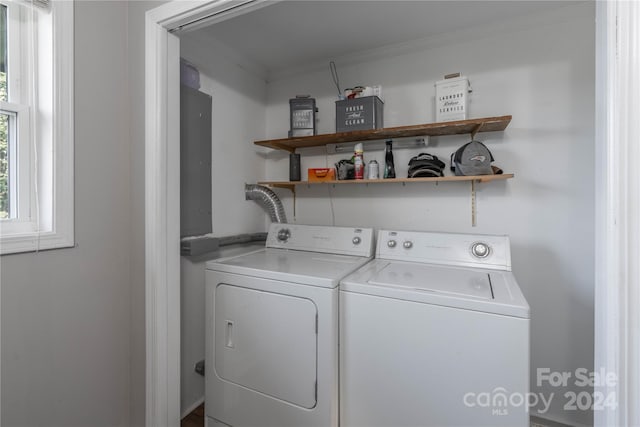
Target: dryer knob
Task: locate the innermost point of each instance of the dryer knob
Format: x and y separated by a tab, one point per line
356	240
284	234
391	243
408	244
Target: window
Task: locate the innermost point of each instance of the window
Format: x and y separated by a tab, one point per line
36	125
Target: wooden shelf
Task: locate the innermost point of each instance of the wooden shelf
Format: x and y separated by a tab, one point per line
477	178
461	127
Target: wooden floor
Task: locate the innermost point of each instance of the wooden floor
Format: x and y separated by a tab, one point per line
195	418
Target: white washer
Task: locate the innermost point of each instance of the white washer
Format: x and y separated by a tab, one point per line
434	332
272	327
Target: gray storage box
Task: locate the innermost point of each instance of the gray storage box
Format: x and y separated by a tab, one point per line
359	114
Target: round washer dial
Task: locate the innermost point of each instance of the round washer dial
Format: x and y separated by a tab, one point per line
284	234
480	250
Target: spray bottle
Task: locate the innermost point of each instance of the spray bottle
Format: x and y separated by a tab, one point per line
358	161
389	168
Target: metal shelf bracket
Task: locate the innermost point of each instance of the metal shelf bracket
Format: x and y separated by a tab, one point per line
476	130
473	203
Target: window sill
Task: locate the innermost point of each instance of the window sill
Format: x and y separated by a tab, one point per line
34	242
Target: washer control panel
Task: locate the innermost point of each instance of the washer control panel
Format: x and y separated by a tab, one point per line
471	250
325	239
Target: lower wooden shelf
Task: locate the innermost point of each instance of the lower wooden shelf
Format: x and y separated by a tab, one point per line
476	178
291	185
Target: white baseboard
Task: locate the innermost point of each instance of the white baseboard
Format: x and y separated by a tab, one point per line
191	408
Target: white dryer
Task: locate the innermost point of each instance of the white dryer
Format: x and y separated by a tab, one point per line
272	327
434	332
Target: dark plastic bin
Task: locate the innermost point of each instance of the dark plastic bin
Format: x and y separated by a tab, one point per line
359	114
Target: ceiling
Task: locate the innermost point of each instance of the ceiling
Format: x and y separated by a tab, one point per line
289	33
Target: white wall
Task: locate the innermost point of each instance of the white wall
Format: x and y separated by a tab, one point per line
66	313
192	322
540	70
238	118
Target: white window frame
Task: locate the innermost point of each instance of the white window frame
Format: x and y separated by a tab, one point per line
44	109
22	199
20	166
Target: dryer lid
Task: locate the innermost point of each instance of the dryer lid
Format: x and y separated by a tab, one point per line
306	268
443	280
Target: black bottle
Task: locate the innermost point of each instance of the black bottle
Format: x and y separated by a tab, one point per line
389	168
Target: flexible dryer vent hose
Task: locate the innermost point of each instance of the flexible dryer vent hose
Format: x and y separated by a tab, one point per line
268	199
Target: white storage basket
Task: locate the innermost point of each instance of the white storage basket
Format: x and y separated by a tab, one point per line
452	98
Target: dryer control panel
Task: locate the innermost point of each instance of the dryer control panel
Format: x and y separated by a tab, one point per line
464	250
324	239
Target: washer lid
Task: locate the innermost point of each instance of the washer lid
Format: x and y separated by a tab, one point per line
477	289
425	278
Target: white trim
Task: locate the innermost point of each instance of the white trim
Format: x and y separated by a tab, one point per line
617	293
176	15
17	42
162	240
20	168
64	138
42	4
157	346
162	197
20	42
173	217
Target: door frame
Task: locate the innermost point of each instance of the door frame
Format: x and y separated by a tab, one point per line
162	195
617	208
162	234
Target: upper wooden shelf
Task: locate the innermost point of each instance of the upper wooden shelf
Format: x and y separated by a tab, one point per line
460	127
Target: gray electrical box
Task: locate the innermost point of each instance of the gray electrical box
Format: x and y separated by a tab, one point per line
195	162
